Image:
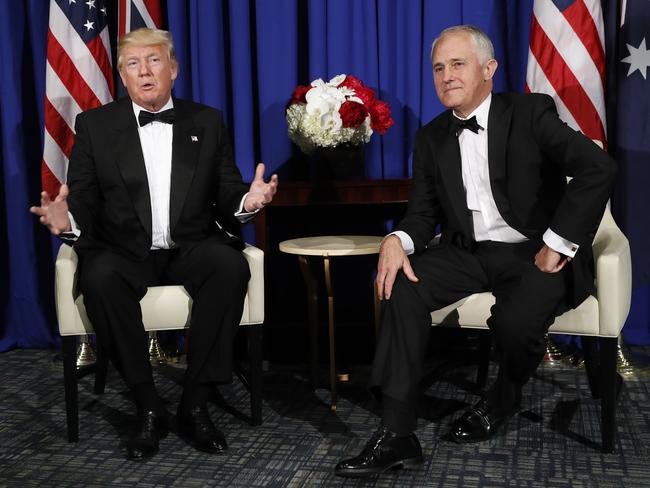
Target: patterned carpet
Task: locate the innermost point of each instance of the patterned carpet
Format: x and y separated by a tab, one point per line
552	443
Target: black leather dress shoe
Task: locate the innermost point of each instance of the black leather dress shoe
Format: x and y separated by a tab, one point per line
480	422
383	451
197	429
144	444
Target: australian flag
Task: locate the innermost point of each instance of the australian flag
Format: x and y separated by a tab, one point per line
632	152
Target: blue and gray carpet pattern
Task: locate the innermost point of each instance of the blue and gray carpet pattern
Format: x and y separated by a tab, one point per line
553	442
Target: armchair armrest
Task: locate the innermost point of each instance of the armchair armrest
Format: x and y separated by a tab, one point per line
255	297
65	280
613	276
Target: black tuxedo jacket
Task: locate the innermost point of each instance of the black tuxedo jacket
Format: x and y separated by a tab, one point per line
109	193
530	154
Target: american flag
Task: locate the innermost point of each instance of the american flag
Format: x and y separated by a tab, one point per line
133	14
79	76
566	60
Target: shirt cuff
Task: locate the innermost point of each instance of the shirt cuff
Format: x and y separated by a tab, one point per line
407	242
74	232
241	214
560	244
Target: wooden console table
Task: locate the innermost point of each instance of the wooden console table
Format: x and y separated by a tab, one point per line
359	192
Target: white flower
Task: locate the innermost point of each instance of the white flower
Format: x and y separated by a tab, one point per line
318	123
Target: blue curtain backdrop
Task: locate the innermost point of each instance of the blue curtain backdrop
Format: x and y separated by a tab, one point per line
244	57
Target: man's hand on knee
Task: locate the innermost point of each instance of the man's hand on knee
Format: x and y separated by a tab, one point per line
392	258
550	261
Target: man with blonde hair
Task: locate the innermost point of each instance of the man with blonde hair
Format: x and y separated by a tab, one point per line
150	180
492	173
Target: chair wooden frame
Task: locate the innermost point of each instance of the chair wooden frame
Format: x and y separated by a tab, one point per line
163	308
598	320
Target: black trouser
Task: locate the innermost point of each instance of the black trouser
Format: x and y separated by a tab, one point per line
214	274
527	301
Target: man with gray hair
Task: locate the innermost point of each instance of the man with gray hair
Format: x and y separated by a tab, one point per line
149	178
491	172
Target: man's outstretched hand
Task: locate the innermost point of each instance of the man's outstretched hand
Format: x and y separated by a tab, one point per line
260	192
54	213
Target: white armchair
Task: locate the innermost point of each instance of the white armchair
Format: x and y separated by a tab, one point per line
600	317
163	308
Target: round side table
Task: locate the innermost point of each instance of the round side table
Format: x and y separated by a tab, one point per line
327	247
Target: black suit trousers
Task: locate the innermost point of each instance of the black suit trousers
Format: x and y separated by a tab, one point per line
214	274
527	301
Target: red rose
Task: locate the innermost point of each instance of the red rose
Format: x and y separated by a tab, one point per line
299	94
352	114
380	119
367	95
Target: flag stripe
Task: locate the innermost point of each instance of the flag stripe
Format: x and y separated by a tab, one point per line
68	73
78	76
55	159
59	97
155	12
569	47
567	87
584	26
99	52
58	128
49	182
537	78
134	14
144	13
124	16
566	60
77	51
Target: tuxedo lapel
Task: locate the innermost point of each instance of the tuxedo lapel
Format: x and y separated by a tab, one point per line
451	171
185	153
498	128
130	161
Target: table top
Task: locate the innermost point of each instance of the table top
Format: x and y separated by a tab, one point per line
332	245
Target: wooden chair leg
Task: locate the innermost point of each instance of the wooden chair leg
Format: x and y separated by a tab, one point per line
484	349
592	364
255	381
101	368
69	350
608	382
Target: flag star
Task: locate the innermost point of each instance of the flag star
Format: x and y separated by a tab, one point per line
103	10
639	59
89	25
70	2
91	4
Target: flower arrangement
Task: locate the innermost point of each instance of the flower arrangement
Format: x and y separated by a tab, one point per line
340	111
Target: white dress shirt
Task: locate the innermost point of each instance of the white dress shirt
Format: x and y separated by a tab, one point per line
489	224
156	140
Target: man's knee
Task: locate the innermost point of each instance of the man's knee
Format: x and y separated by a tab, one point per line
514	331
228	264
100	277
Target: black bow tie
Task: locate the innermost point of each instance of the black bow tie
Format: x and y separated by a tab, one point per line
166	116
459	124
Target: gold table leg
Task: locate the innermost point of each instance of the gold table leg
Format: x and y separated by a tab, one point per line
332	337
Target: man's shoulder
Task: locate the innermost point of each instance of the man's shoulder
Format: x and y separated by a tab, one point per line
105	111
523	100
197	109
437	125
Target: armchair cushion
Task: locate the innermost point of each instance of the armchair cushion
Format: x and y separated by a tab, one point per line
163	307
